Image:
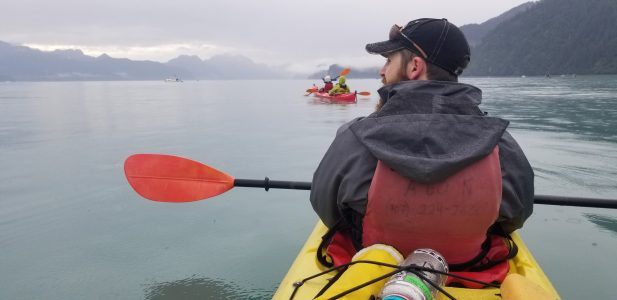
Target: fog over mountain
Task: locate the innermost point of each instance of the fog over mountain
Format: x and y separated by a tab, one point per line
225	67
335	70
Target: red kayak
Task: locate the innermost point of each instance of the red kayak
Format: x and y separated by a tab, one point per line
346	98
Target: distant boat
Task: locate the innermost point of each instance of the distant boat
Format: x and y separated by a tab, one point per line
175	79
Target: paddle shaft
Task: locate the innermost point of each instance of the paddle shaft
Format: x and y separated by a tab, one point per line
273	184
575	201
538	199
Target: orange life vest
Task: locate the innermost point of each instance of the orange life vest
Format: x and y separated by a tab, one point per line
451	216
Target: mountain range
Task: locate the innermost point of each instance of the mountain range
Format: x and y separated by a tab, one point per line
535	38
20	63
474	33
540	38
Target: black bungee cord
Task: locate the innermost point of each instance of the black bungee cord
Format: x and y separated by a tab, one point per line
417	270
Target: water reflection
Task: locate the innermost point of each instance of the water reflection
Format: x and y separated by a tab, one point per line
586	105
604	222
320	101
202	288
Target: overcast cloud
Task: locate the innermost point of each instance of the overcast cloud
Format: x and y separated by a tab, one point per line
298	34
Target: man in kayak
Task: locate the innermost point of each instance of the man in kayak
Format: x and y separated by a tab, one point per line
328	85
340	87
427	169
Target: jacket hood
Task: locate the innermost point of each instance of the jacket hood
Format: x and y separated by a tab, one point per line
428	130
430	97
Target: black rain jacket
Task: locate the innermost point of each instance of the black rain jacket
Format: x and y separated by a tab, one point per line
426	131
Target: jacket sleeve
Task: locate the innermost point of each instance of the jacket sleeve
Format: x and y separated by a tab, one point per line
518	187
334	89
342	179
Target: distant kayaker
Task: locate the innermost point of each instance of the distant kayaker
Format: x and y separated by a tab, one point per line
328	85
340	87
427	169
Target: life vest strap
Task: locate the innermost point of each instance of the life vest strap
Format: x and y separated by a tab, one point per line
326	240
512	251
337	249
486	245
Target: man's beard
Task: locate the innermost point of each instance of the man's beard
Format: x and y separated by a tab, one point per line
379	104
401	77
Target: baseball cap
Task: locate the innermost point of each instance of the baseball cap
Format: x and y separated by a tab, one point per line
436	40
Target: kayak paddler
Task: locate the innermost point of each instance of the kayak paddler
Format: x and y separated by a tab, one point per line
428	168
340	87
328	85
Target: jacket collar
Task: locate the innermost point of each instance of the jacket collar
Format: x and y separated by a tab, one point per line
429	96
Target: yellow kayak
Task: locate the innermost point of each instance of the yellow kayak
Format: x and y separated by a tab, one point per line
525	280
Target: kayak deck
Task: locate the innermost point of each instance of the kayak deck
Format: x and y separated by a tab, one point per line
306	265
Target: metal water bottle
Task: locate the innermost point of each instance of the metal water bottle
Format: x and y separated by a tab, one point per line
408	286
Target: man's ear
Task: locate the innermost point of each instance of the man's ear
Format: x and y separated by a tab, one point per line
416	69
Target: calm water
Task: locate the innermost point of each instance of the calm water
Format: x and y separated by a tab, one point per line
72	228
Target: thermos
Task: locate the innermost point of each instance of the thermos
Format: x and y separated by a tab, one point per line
408	286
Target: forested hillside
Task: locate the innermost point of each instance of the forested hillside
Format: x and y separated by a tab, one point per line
552	37
476	32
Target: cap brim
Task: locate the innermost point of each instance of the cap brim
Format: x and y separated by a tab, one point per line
385	47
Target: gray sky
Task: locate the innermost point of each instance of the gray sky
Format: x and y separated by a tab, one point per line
300	35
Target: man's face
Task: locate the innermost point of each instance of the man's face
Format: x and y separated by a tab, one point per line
392	71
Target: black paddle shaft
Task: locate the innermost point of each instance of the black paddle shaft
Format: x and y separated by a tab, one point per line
273	184
538	199
575	201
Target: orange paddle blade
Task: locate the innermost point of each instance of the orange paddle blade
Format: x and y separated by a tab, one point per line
364	93
345	72
310	91
168	178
